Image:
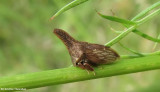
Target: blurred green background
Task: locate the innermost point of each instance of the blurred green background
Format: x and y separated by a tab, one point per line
27	43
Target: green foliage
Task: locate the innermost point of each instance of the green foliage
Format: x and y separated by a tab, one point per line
68	6
28	45
133	27
116	19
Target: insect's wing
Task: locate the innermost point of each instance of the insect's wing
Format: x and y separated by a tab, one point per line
99	54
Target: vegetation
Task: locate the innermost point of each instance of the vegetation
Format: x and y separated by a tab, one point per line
28	45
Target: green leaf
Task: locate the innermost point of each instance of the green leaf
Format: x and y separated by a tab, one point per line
146	36
116	19
68	6
135	52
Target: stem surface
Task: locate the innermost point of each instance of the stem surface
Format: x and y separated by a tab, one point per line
74	74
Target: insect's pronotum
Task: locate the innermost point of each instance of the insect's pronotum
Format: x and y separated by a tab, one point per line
86	55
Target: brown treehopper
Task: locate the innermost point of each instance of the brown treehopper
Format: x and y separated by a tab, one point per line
86	55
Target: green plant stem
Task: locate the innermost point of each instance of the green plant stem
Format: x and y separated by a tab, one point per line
127	31
127	23
143	13
74	74
119	37
156	42
143	35
142	55
149	16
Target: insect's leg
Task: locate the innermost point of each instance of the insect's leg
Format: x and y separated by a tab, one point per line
80	59
82	67
79	64
83	64
87	71
88	67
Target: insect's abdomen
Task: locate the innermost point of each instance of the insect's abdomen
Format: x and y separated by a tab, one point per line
99	54
106	56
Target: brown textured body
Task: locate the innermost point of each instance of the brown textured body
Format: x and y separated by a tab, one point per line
86	55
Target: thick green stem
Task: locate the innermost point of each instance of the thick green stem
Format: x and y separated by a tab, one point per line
74	74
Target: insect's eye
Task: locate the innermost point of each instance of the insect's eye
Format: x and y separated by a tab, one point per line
76	63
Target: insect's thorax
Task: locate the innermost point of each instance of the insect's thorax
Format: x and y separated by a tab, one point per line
75	52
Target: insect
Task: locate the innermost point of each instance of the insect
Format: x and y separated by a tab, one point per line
86	55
